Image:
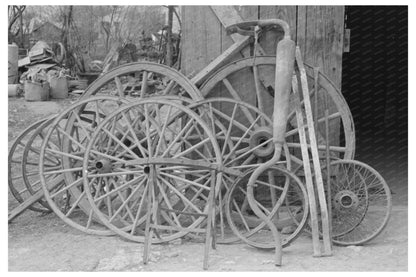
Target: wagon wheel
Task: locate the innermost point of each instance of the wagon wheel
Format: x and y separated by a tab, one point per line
143	79
236	80
289	212
244	135
23	177
66	142
175	144
361	202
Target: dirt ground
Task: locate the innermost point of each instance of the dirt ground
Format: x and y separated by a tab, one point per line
42	242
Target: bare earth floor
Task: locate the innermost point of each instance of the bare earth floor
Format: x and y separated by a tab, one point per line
45	243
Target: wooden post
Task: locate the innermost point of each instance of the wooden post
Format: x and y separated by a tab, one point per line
169	47
307	169
302	78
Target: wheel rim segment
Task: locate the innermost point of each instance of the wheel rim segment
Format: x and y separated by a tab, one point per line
66	142
288	211
151	135
23	177
143	79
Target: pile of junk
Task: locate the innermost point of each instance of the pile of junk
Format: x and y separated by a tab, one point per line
41	75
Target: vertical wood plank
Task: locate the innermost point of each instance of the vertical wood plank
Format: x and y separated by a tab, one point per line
201	38
320	36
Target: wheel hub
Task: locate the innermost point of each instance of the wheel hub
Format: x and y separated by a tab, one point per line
260	136
103	166
345	200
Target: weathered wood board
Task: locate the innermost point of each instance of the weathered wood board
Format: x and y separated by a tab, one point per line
318	30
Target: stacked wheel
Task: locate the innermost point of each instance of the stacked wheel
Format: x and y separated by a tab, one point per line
23	177
152	157
361	202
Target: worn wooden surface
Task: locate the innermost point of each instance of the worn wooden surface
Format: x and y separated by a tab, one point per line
318	30
320	36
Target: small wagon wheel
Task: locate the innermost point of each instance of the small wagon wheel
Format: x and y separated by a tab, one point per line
236	80
23	177
151	135
289	212
361	202
143	79
66	142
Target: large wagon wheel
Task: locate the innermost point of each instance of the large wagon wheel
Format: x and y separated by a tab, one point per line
361	202
236	80
286	205
23	177
244	135
66	142
151	135
143	79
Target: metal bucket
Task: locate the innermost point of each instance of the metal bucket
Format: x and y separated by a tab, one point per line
36	91
59	87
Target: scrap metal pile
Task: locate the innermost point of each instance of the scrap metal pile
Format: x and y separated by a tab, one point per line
147	155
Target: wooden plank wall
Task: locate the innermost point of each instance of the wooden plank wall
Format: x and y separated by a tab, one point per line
318	30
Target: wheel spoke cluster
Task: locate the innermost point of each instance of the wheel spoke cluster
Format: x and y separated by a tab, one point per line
145	156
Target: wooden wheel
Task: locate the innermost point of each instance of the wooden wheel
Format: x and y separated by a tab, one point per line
280	195
23	165
361	202
244	135
152	158
65	143
236	80
143	79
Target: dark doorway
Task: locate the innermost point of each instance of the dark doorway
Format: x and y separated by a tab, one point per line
374	83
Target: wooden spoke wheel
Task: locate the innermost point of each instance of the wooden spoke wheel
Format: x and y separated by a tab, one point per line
236	80
244	135
280	195
23	165
154	159
65	143
361	202
143	79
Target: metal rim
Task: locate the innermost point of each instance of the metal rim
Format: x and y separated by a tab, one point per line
352	175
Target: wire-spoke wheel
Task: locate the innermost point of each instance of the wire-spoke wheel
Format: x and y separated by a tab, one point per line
152	162
23	177
65	144
280	195
361	202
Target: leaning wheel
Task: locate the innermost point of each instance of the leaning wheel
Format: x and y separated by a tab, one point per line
23	165
236	80
280	195
65	143
361	202
143	79
244	135
152	158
